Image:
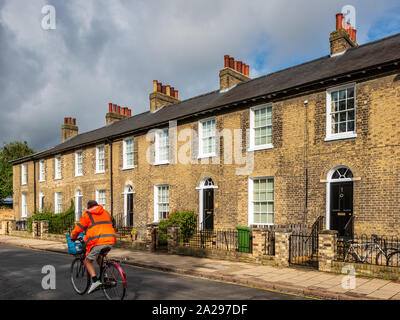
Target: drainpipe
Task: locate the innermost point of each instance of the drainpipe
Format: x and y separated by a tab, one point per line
111	177
34	185
306	160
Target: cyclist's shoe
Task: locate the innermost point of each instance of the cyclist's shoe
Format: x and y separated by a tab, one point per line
94	286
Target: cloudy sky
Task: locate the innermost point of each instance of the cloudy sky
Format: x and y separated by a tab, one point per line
110	51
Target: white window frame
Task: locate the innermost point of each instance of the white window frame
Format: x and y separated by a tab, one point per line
98	200
343	135
125	165
156	208
77	173
57	167
200	129
97	158
42	171
41	196
253	147
58	202
24	174
157	147
24	205
251	200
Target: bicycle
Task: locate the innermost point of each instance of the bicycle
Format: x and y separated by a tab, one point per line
112	277
354	252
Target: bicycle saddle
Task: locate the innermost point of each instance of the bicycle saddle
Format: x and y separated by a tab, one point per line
104	251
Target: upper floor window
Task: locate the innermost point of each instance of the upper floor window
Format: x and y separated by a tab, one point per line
128	153
161	202
100	159
42	170
101	197
261	127
261	201
161	147
58	202
24	174
207	138
78	163
341	113
57	167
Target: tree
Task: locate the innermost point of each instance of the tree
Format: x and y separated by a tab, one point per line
8	152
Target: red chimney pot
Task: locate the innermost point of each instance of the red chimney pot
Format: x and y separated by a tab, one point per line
226	61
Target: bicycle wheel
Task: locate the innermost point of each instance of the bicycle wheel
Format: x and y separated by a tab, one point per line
80	279
382	258
114	281
394	259
351	257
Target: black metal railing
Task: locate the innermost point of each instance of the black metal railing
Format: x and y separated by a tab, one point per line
121	226
303	249
228	240
21	225
367	249
62	225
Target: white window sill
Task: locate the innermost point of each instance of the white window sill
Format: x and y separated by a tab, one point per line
341	136
160	163
128	168
263	147
78	175
23	184
261	224
99	172
57	178
210	155
42	180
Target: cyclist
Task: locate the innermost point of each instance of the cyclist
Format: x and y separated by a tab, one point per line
100	234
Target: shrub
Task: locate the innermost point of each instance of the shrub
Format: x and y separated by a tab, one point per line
187	221
58	223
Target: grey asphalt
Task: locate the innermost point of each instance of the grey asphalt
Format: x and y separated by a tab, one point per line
21	277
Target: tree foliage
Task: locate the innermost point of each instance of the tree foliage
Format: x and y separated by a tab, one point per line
8	152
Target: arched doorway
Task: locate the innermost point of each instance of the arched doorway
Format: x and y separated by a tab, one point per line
128	206
206	204
78	205
339	204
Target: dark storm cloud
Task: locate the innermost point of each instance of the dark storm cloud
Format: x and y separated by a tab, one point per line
110	51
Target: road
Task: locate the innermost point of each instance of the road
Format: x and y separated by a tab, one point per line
21	278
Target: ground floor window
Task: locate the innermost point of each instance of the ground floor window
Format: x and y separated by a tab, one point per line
261	200
161	202
58	202
101	198
24	206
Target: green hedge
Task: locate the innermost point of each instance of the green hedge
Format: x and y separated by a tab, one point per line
187	221
59	223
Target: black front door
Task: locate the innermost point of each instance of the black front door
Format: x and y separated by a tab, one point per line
208	209
341	205
130	209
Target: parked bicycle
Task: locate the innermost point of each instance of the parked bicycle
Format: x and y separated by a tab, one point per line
360	252
112	277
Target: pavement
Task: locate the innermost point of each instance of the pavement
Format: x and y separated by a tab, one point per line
289	280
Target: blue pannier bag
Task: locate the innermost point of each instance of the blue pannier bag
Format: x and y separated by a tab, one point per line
74	247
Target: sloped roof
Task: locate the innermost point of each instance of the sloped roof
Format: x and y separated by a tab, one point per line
380	52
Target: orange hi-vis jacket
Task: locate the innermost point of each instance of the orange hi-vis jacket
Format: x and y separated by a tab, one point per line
98	226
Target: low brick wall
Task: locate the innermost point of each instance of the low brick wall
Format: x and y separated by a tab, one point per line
23	234
136	245
368	270
54	237
225	255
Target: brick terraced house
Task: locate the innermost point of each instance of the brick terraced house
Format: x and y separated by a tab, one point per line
318	139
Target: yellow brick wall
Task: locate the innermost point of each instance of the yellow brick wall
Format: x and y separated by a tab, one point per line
298	138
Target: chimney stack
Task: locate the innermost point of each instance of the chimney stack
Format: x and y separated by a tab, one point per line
233	73
116	113
162	95
69	128
344	37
